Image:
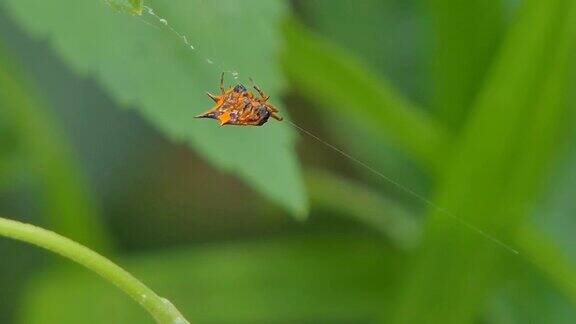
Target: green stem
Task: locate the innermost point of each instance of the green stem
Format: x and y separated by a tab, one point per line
161	309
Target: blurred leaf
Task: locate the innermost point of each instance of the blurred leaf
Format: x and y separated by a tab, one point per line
377	31
326	278
356	140
466	36
351	199
336	80
152	70
545	255
548	239
384	27
529	299
497	169
14	171
555	214
550	296
69	205
326	16
10	158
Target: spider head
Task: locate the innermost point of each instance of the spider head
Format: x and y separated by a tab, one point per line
240	88
263	115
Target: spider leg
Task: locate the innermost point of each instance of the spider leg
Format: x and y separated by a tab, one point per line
222	83
257	88
261	92
276	116
271	108
213	97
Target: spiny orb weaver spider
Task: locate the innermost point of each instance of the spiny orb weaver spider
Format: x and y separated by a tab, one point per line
238	106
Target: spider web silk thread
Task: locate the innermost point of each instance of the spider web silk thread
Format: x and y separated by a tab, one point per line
164	22
411	192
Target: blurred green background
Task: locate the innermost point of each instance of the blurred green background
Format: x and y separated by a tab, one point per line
468	104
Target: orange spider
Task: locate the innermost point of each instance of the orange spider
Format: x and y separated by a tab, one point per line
238	106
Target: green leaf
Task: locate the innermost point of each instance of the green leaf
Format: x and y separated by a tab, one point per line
497	169
384	26
289	280
549	259
555	213
376	33
528	298
466	34
69	206
330	192
153	71
548	240
336	80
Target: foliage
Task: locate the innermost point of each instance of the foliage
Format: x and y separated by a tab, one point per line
127	66
68	204
261	281
161	309
483	112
